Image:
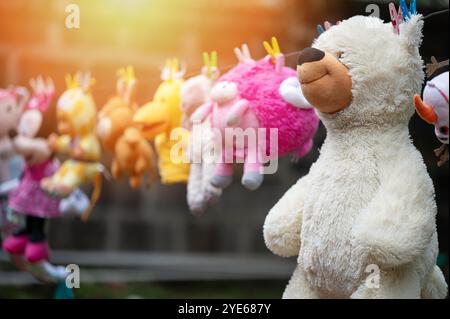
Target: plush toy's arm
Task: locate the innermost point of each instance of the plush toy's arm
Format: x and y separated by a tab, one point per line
88	148
283	223
60	144
236	112
398	223
202	112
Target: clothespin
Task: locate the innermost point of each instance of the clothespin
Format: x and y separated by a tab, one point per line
273	50
43	91
326	26
71	82
408	12
126	75
210	63
396	17
172	65
172	70
85	81
126	83
320	29
243	54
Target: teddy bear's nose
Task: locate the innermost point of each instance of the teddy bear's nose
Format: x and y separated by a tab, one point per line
310	55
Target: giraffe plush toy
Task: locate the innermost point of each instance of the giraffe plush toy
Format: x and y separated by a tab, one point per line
76	115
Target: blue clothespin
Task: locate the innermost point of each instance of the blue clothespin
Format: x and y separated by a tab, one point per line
320	29
408	12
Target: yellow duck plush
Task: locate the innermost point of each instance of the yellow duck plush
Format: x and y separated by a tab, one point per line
160	121
76	115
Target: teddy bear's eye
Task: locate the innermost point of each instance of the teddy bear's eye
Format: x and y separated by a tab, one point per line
339	55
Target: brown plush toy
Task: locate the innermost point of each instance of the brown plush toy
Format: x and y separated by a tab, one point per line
132	154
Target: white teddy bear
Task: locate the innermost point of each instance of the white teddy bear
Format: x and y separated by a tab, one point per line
362	222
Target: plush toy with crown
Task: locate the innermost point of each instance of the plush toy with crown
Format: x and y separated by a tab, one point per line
27	244
161	121
254	99
132	154
76	115
194	93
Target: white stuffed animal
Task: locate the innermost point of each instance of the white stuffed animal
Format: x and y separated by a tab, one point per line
362	222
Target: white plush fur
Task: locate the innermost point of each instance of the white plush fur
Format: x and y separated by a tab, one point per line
200	191
368	199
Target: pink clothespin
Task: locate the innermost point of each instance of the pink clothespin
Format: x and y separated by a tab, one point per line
43	92
396	17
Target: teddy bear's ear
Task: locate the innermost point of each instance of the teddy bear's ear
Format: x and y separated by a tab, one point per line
411	32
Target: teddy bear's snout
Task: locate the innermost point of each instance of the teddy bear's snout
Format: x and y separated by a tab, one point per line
310	55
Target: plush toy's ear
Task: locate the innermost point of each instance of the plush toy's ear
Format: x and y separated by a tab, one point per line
291	91
411	32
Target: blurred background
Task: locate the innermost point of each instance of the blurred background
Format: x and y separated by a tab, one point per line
145	243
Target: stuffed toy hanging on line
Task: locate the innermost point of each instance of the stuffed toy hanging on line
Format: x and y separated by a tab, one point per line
433	109
132	154
258	95
194	93
160	121
76	115
367	205
12	103
28	245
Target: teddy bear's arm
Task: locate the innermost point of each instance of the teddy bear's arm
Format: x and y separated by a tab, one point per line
398	223
236	112
283	223
201	113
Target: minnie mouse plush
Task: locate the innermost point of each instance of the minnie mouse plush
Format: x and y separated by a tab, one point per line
28	199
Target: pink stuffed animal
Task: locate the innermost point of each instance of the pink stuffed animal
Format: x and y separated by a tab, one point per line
434	110
28	199
194	93
254	95
12	102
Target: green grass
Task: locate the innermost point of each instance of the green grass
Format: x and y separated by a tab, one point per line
207	290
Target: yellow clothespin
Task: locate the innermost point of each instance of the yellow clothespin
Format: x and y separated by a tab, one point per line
173	67
71	82
274	49
83	80
126	83
126	75
210	63
172	70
